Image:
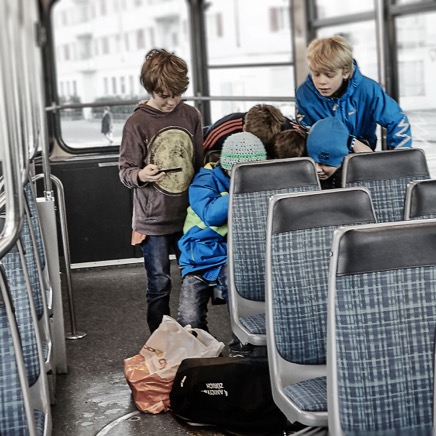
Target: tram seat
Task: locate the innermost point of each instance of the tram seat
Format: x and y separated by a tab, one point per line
39	298
212	156
386	174
381	329
251	185
420	200
32	212
13	389
28	354
299	235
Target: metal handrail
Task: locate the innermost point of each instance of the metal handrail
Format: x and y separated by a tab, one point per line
74	334
55	107
13	202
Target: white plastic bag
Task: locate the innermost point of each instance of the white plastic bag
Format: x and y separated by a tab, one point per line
151	372
170	343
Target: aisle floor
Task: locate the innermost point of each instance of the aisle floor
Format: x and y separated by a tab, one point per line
93	398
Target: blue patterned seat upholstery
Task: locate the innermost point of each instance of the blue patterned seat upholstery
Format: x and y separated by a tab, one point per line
299	234
252	184
420	200
13	406
23	311
12	413
386	174
30	198
32	268
381	329
36	282
32	212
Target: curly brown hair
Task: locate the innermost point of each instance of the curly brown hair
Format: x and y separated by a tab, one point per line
164	72
290	143
264	121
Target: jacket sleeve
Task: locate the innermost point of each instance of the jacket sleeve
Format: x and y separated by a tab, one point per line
206	200
389	114
132	157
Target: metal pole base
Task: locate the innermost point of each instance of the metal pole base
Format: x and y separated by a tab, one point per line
77	335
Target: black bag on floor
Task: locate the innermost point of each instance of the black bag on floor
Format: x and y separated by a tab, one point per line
227	392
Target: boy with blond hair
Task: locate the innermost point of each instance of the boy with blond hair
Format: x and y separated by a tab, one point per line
335	87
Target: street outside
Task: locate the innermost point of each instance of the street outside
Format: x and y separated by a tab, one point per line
85	133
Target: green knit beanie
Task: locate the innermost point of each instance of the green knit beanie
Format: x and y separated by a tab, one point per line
241	147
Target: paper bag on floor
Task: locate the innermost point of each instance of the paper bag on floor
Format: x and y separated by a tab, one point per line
150	374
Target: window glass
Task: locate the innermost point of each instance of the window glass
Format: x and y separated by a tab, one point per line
240	34
417	69
237	82
329	8
100	47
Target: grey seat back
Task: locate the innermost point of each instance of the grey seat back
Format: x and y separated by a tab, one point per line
420	200
252	184
299	234
381	329
386	174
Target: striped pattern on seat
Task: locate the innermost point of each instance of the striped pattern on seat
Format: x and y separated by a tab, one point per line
32	269
254	323
309	395
385	380
388	196
300	318
12	414
249	240
18	288
35	222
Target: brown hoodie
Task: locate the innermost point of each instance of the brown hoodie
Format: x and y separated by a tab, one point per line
154	212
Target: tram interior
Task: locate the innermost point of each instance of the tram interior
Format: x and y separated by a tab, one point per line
72	287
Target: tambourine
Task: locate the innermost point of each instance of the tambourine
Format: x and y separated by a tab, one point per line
172	148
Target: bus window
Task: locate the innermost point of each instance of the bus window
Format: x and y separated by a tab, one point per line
417	68
250	53
99	48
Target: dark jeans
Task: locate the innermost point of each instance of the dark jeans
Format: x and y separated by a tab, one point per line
156	250
194	297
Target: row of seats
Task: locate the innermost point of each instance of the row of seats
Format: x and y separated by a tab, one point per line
27	364
282	280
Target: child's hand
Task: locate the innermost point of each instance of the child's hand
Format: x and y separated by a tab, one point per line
150	173
360	147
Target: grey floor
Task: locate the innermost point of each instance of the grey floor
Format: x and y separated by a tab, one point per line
93	398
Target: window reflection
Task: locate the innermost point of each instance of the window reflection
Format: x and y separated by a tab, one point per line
416	48
329	8
362	36
240	34
259	81
100	46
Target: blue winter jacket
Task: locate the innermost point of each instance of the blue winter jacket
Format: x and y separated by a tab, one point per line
204	243
363	105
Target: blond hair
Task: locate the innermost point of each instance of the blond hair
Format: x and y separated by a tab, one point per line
164	72
330	54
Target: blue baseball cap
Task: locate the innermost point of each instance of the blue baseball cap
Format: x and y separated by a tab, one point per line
327	142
